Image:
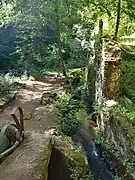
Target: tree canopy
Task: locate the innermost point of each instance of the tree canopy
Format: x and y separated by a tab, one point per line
48	34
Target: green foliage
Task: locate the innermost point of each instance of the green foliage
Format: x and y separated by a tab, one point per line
7	82
7	46
48	98
36	46
4	85
67	108
70	106
117	178
129	165
124	110
81	74
128	80
77	173
127	102
82	116
98	139
76	80
107	11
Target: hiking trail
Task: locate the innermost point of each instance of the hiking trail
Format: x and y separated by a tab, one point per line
38	122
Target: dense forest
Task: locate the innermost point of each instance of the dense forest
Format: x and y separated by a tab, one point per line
38	36
88	47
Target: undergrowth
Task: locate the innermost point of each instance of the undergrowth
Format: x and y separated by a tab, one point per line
128	77
67	117
70	105
77	172
124	110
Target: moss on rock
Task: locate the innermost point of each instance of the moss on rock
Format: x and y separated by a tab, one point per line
119	137
73	159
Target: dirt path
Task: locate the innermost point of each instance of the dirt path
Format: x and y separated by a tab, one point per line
38	119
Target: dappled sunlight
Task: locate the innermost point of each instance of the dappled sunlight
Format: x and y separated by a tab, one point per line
53	89
50	131
69	66
36	86
37	117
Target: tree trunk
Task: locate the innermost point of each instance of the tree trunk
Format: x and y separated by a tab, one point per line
118	20
94	78
99	64
62	64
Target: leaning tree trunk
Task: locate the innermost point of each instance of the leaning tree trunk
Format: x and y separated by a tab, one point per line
62	64
118	20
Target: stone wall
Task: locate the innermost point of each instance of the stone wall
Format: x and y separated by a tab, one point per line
45	157
67	162
119	140
104	71
113	69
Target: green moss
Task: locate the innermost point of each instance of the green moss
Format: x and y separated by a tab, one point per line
110	147
120	122
131	135
128	80
69	157
74	158
77	157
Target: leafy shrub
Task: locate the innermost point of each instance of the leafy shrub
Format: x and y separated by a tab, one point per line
8	81
76	174
4	85
126	103
67	109
81	115
69	125
129	165
76	80
125	110
70	105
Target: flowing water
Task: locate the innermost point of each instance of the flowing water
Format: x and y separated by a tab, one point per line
97	163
